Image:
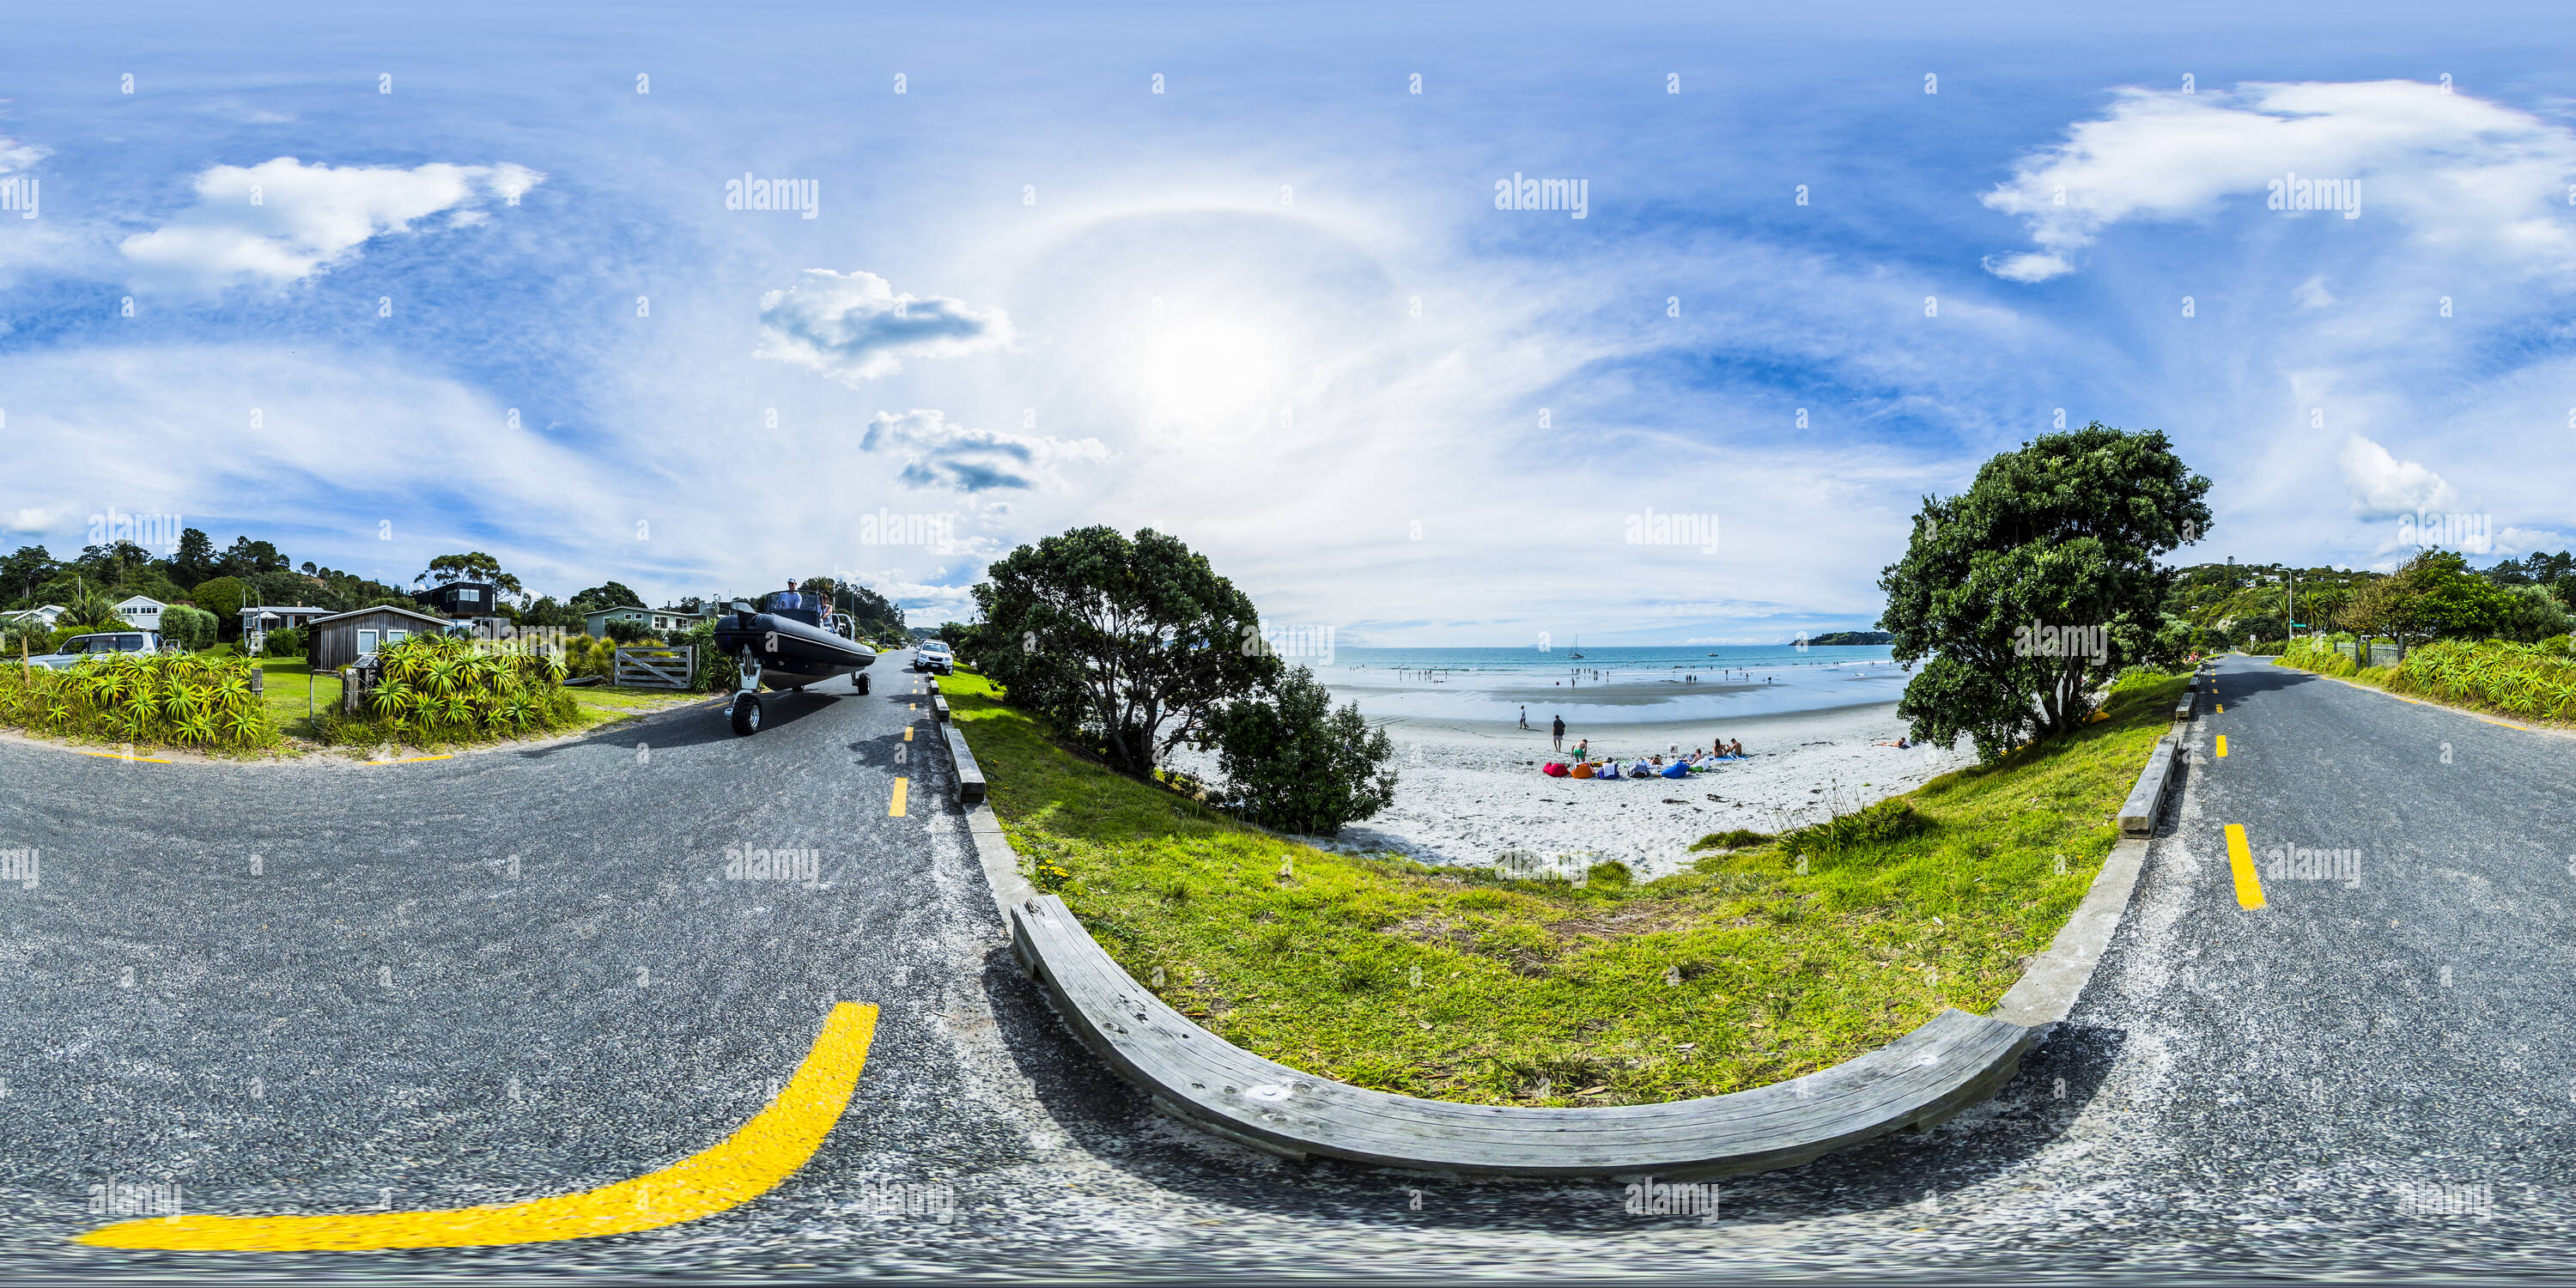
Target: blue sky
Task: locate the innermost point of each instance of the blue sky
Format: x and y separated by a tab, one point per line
1273	308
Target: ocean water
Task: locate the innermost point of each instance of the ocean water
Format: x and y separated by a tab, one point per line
1604	685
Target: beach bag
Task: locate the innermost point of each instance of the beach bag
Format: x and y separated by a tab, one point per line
1554	770
1581	771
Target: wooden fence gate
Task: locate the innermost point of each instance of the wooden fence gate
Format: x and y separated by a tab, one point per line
656	668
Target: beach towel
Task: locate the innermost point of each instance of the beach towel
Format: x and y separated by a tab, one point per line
1554	770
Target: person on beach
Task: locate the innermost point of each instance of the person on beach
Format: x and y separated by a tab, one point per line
1556	739
1524	717
1582	749
1735	748
1900	744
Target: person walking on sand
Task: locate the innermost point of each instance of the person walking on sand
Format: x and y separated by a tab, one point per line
1556	730
1524	717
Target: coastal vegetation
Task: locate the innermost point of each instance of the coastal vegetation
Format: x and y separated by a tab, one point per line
2532	681
440	690
1569	981
1129	649
181	700
2021	596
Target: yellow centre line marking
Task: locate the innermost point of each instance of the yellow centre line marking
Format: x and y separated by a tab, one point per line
744	1166
907	733
901	787
2222	708
2249	887
112	755
2222	746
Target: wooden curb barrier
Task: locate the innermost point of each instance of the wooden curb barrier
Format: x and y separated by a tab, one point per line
1953	1061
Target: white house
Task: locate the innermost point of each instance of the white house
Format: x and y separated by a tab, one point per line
142	613
51	615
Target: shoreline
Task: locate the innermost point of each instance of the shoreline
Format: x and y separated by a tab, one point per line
1468	791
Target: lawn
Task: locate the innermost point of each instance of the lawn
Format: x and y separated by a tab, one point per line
1760	963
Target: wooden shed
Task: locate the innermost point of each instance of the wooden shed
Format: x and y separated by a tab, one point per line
342	638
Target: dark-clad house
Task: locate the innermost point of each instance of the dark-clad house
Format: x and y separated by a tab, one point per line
343	638
474	602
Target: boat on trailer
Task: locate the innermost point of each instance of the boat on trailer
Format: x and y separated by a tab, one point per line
791	640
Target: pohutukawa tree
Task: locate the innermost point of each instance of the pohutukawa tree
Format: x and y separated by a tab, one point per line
2024	594
1128	647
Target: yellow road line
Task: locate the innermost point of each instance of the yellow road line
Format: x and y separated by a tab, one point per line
2222	746
907	733
744	1166
2222	708
901	786
111	755
409	760
2249	887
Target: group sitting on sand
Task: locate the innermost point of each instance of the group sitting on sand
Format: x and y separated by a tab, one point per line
1655	766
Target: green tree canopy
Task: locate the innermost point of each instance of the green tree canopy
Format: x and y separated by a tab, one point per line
194	561
1128	648
473	566
2026	592
224	597
607	595
25	572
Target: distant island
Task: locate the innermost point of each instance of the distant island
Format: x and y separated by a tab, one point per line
1854	637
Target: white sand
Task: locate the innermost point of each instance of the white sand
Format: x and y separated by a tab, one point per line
1466	792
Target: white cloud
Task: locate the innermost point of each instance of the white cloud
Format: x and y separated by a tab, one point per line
2384	487
35	518
2312	294
854	328
958	458
2521	541
18	156
281	220
923	604
2462	173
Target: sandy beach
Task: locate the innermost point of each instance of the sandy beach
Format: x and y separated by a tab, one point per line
1467	792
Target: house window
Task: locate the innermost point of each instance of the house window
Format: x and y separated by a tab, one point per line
396	637
366	643
469	596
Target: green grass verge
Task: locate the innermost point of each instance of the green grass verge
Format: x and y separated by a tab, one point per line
1749	968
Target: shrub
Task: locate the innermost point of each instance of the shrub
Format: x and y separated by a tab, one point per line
188	628
1294	764
717	673
623	631
1888	820
181	699
2138	677
2519	679
439	688
1735	840
284	643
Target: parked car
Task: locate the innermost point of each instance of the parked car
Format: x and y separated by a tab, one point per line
85	646
933	655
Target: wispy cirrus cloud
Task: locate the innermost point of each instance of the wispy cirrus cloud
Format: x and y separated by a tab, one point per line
854	328
280	221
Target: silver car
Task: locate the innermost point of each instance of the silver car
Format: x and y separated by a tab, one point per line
79	647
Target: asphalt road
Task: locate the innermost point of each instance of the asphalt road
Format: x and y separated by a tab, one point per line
334	988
